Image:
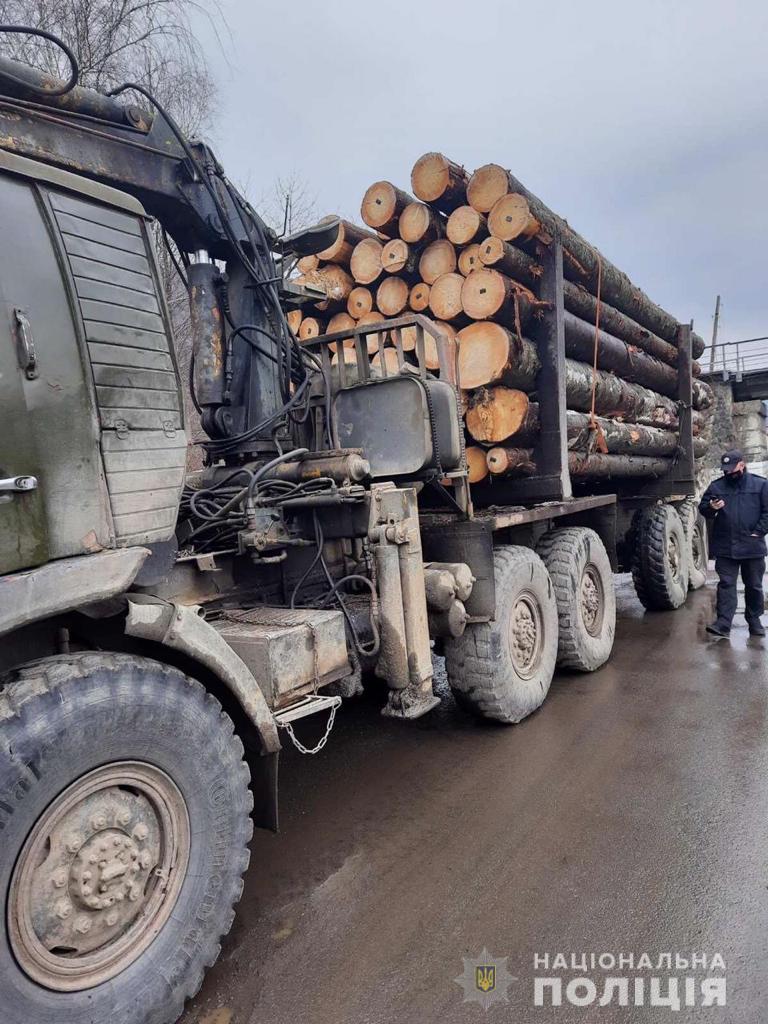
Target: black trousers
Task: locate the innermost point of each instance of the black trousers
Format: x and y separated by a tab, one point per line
752	570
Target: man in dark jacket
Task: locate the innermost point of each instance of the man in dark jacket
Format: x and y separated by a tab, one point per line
738	503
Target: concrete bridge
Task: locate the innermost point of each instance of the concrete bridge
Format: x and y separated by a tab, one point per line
738	373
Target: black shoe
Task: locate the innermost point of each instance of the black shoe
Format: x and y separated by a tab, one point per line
756	629
716	630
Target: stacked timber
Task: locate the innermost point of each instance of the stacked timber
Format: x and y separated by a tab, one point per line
468	251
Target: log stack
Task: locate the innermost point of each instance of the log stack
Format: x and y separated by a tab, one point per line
467	251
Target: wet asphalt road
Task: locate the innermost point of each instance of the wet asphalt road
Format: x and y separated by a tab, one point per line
628	814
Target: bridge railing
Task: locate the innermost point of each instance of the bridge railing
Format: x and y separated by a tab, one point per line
735	358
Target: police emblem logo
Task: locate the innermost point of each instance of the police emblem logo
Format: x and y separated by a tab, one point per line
485	979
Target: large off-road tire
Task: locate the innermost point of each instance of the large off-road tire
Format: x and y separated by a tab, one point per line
124	830
695	527
660	564
503	669
582	577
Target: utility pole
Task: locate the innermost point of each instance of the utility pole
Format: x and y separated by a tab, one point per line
715	325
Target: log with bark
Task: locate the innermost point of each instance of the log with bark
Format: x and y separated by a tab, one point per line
365	264
359	302
439	181
507	462
466	225
437	259
489	295
334	281
510	260
382	205
420	224
490	354
294	318
511	219
398	257
392	296
307	264
477	466
469	259
445	297
348	237
510	461
583	263
311	327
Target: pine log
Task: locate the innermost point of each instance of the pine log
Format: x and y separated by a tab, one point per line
487	186
365	263
510	461
398	257
615	355
509	260
469	260
348	237
418	300
311	327
341	322
389	359
430	345
392	296
359	302
294	318
374	317
438	258
420	224
332	279
439	181
445	297
626	438
490	354
477	466
307	264
608	467
466	225
489	295
703	395
582	260
382	205
511	219
616	398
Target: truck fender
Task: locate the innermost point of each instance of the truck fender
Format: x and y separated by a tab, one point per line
181	628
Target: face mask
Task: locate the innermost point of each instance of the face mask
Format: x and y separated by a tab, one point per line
733	478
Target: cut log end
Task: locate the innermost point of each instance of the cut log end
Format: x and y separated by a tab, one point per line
392	296
379	204
395	256
486	186
365	263
494	414
294	318
436	179
477	466
418	299
511	218
469	260
484	293
311	327
484	352
437	259
419	224
445	297
465	225
359	302
510	461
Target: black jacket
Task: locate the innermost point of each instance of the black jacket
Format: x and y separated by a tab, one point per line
744	515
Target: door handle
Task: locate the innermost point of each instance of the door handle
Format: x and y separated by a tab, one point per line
18	483
26	344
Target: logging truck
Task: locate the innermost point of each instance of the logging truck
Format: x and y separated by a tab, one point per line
160	630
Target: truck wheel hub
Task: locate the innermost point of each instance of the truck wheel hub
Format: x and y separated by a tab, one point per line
592	601
98	876
526	635
673	550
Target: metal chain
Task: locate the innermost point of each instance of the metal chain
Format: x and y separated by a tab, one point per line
323	740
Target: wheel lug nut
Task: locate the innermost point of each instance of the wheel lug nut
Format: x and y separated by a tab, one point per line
73	843
145	859
98	822
141	832
59	879
87	890
111	918
82	925
134	893
124	817
63	909
87	876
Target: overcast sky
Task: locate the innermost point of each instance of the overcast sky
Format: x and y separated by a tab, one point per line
645	124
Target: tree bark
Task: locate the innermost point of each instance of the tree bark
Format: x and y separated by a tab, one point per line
509	260
348	237
420	224
615	355
359	302
616	398
606	467
511	219
398	257
445	297
382	205
437	259
418	300
392	296
466	225
439	181
490	354
469	260
365	263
